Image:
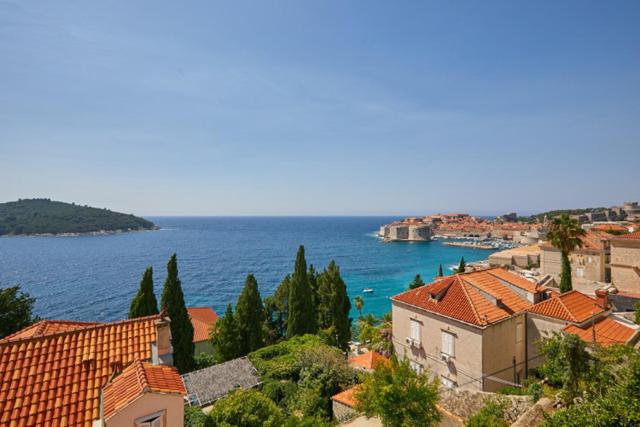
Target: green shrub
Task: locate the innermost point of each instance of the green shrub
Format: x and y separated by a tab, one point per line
246	408
490	415
512	390
194	417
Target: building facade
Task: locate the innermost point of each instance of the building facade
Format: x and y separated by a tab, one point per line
625	263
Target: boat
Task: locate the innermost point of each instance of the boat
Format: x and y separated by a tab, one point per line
367	290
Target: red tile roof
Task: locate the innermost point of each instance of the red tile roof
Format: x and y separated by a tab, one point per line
137	379
477	298
368	360
608	331
634	235
202	319
347	397
515	280
55	379
572	306
47	327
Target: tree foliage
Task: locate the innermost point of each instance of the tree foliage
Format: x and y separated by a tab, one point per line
16	310
490	415
462	266
399	396
246	408
334	305
301	317
250	316
172	302
43	216
565	234
566	362
359	303
144	303
376	333
277	311
225	337
440	273
416	283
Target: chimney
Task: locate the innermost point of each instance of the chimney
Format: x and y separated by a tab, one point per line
602	296
162	351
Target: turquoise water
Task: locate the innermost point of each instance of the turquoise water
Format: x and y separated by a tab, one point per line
94	277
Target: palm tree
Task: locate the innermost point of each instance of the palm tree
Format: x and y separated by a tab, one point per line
565	234
359	303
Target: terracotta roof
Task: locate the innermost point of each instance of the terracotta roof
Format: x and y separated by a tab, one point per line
610	227
592	239
572	306
347	397
47	327
137	379
55	379
515	280
635	235
202	319
368	360
608	331
477	298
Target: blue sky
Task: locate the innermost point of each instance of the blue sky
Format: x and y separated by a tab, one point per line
325	107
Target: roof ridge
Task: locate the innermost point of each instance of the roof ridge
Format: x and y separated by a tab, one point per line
464	285
564	306
87	328
141	375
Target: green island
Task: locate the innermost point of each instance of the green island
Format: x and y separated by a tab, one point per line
44	216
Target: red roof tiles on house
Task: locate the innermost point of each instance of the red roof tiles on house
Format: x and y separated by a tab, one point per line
368	360
137	379
572	306
477	298
347	397
47	327
608	331
55	379
634	235
202	319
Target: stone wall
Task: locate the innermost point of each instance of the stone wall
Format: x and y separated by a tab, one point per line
465	403
342	412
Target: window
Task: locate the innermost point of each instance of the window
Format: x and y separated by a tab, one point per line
415	366
589	260
519	332
447	382
154	420
448	344
579	272
415	330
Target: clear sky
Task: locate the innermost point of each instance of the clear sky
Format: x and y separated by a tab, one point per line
320	107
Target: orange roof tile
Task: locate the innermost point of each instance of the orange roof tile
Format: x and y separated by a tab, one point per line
368	360
347	397
139	378
202	319
610	227
55	379
477	298
634	235
572	306
608	331
514	279
47	327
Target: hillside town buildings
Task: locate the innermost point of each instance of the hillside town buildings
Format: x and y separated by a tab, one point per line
625	263
480	330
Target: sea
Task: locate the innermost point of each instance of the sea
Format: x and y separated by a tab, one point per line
94	277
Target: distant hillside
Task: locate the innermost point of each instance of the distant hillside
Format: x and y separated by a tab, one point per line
552	214
43	216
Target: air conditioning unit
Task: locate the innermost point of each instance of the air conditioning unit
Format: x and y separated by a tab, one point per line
415	343
408	340
445	357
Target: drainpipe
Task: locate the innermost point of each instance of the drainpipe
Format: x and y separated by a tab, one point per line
515	378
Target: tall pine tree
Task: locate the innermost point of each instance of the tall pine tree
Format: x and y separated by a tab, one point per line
250	316
172	302
440	274
277	308
334	305
416	283
225	337
462	267
301	317
144	303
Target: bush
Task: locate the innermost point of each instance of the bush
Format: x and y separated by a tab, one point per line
512	390
246	408
204	360
535	391
194	417
490	415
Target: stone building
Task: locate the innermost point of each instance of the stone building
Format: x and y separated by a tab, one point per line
468	329
625	263
590	263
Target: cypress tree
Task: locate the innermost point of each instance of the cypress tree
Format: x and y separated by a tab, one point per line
440	274
144	303
225	337
250	317
462	266
277	308
172	302
312	276
301	318
417	282
334	305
